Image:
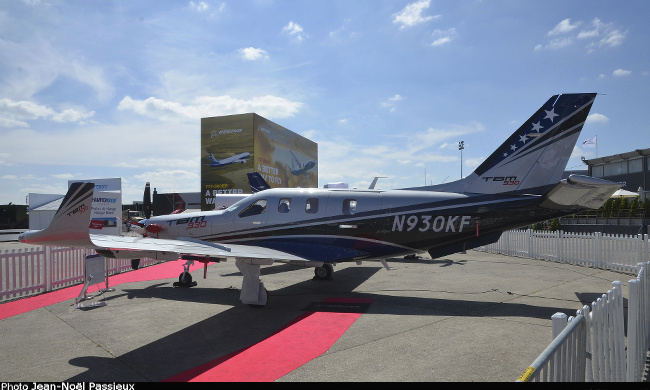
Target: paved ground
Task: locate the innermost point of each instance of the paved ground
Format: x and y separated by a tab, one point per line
466	317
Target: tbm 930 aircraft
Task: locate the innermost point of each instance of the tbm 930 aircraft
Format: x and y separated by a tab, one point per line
517	185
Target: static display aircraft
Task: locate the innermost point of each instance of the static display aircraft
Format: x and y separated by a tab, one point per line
238	158
298	168
517	185
257	182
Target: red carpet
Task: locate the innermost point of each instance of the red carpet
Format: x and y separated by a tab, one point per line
166	270
305	338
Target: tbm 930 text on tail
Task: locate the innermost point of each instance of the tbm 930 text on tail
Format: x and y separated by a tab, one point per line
517	185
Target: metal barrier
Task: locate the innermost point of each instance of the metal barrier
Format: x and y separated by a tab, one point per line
602	356
43	268
564	359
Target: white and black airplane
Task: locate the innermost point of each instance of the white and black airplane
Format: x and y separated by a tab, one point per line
238	158
298	168
517	185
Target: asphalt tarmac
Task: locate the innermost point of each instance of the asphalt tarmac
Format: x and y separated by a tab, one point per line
466	317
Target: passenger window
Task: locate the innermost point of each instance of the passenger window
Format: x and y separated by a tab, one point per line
311	207
256	208
284	206
349	206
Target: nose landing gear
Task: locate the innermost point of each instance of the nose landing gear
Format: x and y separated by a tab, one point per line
185	278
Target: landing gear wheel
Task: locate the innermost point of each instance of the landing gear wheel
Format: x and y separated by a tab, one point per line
324	273
185	280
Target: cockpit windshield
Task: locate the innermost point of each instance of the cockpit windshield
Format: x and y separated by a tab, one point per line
237	205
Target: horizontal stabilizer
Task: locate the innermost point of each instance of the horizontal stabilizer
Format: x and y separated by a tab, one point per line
579	191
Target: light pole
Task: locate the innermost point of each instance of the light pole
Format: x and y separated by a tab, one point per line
461	146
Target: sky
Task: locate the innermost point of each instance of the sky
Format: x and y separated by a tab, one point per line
102	89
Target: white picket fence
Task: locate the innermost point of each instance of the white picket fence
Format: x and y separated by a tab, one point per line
596	352
39	269
618	253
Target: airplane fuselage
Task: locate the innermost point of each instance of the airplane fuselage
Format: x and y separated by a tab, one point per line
340	225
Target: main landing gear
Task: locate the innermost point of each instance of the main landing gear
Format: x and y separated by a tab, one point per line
324	272
253	293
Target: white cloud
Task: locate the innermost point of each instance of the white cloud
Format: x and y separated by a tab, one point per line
411	15
390	102
252	54
24	109
295	30
555	44
63	176
621	73
598	35
396	98
163	145
442	37
563	27
400	158
597	27
71	115
37	64
613	38
597	118
206	106
14	114
200	6
172	180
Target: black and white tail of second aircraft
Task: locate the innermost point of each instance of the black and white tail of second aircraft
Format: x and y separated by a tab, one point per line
517	185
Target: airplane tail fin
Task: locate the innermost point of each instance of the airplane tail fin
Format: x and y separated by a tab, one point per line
70	224
257	182
532	160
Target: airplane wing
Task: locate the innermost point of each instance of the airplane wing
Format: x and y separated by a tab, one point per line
163	249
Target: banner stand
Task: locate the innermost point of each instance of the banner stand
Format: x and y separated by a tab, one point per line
94	269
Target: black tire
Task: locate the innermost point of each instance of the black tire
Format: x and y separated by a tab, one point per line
324	273
185	279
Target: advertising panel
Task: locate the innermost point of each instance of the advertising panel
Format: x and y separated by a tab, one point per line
284	158
106	206
226	156
234	145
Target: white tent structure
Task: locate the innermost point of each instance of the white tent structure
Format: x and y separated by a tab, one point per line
624	194
42	208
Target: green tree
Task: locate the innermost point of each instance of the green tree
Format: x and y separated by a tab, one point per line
555	225
608	208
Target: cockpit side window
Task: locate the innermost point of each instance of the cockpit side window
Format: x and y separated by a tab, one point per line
311	207
259	207
285	205
349	206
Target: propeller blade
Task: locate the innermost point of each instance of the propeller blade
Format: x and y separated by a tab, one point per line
146	202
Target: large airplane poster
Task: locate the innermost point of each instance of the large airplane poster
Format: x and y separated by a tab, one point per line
234	145
226	156
284	158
